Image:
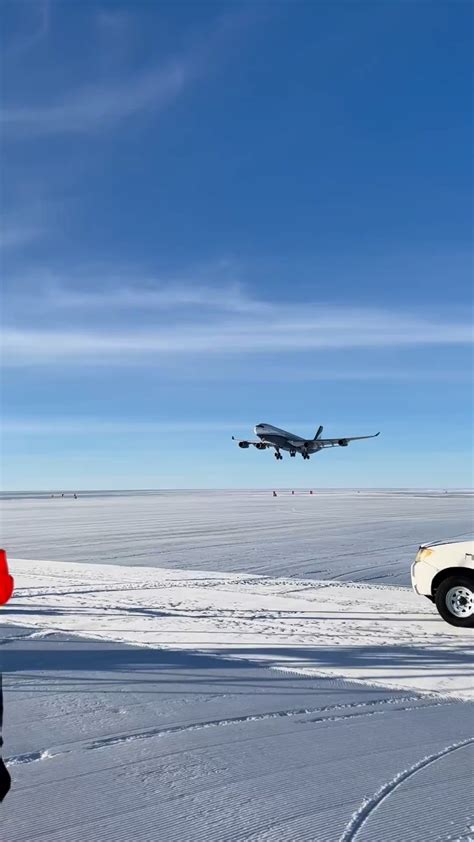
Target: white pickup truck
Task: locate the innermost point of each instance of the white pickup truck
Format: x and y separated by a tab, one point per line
445	574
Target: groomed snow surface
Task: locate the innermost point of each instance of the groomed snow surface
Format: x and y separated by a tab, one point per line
184	690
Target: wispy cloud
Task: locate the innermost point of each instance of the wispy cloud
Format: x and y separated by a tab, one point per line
85	426
39	22
26	221
98	426
49	295
96	107
114	21
101	105
282	328
16	233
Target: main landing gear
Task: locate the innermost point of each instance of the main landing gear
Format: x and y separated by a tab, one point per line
278	455
292	452
305	454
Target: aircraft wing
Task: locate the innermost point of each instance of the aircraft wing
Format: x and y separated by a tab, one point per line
343	440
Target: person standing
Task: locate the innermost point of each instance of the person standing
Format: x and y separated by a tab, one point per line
6	590
5	780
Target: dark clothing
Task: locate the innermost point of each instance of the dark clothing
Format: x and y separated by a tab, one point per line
6	590
4	775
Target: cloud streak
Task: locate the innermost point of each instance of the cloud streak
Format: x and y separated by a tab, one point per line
87	426
41	19
14	234
97	426
97	107
152	295
282	329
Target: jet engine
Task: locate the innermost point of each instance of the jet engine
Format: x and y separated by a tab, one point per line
261	446
343	442
244	444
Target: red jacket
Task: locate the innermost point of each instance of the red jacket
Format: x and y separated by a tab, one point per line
6	581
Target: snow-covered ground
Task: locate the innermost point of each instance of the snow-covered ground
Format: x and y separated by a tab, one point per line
109	743
353	535
376	634
140	704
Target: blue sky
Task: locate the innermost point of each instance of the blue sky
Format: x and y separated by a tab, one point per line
217	214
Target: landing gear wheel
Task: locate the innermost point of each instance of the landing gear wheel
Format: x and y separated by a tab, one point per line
455	600
292	452
278	455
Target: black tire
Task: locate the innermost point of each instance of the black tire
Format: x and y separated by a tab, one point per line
454	599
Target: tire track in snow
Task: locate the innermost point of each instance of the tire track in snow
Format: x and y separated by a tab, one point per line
359	818
239	720
353	708
37	633
32	757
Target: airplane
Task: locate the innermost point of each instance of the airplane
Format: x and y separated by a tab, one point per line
269	436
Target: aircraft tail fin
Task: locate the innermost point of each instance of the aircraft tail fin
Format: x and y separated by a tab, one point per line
318	433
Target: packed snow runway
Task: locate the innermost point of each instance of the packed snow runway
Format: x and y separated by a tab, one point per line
140	704
367	536
109	743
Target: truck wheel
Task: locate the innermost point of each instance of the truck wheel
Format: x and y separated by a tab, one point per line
455	600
